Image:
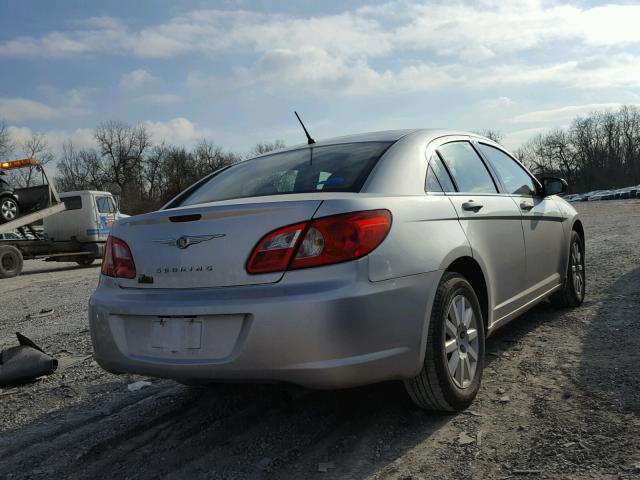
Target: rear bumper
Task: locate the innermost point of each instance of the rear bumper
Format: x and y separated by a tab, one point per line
336	331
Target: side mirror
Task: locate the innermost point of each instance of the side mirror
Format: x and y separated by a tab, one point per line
554	186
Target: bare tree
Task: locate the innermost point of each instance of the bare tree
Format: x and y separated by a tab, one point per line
123	148
152	178
600	150
495	135
35	146
6	145
80	170
209	157
265	147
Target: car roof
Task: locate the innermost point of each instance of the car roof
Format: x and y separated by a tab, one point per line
392	136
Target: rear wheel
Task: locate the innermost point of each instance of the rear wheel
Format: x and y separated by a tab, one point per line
454	357
8	209
11	262
573	290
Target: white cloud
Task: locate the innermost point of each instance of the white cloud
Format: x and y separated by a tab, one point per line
457	44
135	79
469	31
161	99
81	137
69	103
498	103
21	109
563	114
315	70
178	130
95	35
223	32
516	139
208	31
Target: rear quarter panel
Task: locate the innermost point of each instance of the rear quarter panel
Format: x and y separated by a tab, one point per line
425	233
571	217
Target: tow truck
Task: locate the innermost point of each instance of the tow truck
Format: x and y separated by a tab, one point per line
76	224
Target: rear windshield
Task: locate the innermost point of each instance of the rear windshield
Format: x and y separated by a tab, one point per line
333	168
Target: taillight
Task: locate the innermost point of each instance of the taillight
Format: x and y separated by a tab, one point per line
323	241
117	260
274	252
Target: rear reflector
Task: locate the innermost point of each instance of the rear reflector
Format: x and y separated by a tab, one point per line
323	241
117	260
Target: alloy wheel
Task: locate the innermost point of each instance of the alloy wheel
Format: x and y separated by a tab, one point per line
461	342
577	268
9	210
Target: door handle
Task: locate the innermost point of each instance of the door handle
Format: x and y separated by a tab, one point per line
526	206
471	206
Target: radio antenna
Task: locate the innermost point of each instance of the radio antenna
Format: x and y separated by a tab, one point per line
310	141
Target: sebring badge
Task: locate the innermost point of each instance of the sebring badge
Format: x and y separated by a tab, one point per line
187	240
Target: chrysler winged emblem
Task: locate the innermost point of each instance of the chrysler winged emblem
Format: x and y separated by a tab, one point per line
187	240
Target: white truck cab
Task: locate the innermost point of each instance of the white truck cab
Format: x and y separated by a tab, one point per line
87	217
76	224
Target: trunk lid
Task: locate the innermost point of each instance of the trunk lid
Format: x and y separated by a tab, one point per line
219	238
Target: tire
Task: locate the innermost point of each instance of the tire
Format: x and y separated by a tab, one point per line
85	261
573	290
435	388
9	209
11	262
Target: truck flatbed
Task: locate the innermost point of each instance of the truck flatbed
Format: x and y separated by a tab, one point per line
31	218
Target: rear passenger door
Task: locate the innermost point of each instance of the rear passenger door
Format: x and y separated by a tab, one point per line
541	220
490	221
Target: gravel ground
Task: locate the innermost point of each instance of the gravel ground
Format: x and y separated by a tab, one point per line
560	397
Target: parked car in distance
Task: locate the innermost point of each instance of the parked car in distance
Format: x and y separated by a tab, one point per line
355	260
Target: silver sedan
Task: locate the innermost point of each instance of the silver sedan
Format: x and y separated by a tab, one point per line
388	255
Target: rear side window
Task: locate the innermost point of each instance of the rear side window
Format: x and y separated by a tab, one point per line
466	167
72	203
432	184
515	179
333	168
438	179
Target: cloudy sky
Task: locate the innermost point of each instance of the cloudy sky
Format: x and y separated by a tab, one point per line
234	71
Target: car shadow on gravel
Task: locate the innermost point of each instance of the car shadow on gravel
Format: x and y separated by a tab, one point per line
609	366
234	431
587	418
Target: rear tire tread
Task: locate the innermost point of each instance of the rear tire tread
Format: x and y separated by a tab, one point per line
427	389
17	256
566	296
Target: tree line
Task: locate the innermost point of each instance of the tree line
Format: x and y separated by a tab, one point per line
597	151
127	162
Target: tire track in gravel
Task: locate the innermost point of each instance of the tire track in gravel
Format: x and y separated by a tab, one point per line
132	424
